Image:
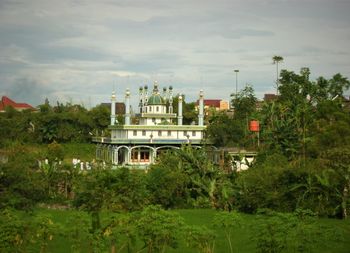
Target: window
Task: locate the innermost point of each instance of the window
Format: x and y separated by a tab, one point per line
144	156
169	133
150	108
134	133
185	133
134	155
159	133
157	108
193	133
143	132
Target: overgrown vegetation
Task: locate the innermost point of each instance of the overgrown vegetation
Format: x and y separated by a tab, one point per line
301	173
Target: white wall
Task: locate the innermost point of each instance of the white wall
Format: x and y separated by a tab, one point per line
174	134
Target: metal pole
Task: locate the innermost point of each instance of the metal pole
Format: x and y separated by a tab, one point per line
277	78
236	71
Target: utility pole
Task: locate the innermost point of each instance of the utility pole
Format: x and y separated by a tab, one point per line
236	71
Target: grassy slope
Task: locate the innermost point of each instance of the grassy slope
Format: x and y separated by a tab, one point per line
242	242
83	151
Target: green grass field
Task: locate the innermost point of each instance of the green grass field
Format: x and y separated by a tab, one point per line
242	238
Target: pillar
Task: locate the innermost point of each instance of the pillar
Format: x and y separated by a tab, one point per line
201	109
116	160
141	100
170	99
113	99
127	107
145	96
179	115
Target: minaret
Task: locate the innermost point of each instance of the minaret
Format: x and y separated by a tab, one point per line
145	95
179	115
113	99
165	95
141	100
170	99
127	107
201	109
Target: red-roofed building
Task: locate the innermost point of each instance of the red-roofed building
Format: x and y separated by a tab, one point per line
5	101
217	104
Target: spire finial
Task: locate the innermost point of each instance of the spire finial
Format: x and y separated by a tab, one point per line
155	87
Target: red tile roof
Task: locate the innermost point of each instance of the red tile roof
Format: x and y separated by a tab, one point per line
5	101
211	102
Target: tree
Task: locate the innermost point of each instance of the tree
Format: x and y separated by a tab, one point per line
159	229
90	195
291	232
116	190
203	175
261	187
276	60
201	238
224	131
20	183
55	152
228	221
337	85
339	165
100	116
167	182
44	231
14	234
285	123
77	231
271	231
125	190
49	128
121	232
244	103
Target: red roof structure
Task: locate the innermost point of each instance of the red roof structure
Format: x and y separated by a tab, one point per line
5	101
211	102
217	104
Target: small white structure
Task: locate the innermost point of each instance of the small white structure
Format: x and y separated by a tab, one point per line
140	144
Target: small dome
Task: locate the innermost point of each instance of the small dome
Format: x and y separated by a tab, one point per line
156	99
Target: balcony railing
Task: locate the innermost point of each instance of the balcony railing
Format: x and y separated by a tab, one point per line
143	141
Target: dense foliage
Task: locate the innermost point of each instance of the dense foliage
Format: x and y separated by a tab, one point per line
302	170
305	141
61	123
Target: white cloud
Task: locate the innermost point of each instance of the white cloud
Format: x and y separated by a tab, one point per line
80	50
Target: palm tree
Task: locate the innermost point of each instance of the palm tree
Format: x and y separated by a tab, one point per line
276	60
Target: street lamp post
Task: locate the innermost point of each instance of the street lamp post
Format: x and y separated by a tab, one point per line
236	71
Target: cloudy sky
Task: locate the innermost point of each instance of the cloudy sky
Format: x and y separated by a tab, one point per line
79	51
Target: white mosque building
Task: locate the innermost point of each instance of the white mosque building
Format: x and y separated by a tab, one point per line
158	129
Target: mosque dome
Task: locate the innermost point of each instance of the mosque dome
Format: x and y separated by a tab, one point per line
156	99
